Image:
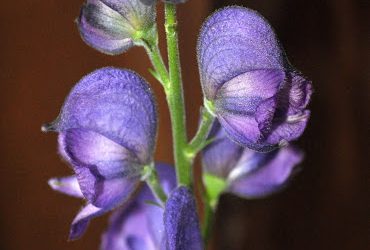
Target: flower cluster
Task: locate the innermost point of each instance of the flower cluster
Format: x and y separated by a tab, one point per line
108	126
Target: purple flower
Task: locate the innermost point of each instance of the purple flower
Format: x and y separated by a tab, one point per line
248	173
114	26
107	131
258	97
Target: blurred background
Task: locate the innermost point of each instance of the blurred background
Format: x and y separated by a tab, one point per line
325	207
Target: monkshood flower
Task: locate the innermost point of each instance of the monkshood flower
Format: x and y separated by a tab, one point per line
245	172
107	132
114	26
247	80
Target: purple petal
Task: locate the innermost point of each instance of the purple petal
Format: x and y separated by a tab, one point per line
181	221
167	176
221	156
289	130
299	93
272	173
117	104
246	105
107	172
129	228
81	221
109	25
233	41
66	185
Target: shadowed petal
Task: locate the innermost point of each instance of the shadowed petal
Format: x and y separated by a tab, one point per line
129	229
66	185
272	173
181	221
107	172
81	221
221	156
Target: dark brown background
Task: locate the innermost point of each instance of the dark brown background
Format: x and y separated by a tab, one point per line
325	207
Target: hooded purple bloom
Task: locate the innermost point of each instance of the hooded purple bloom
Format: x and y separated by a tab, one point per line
113	26
258	97
107	131
247	173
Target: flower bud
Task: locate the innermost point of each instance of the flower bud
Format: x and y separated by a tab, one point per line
114	26
258	97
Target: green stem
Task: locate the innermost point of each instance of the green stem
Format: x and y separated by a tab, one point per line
208	218
200	139
158	64
151	178
176	99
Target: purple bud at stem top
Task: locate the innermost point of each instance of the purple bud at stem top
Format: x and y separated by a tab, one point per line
114	26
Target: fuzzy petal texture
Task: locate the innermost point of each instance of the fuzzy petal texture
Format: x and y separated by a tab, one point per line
181	221
139	226
66	185
233	41
117	104
109	25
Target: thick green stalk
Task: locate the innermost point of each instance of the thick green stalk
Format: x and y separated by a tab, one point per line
175	98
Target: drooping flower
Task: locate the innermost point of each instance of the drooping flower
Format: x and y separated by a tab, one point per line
257	95
245	172
107	131
114	26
